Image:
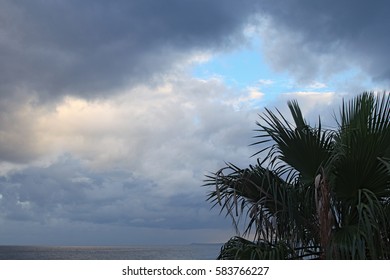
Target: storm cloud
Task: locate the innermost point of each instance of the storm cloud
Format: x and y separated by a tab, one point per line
88	48
322	38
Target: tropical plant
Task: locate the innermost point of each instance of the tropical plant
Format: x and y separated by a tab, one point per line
317	193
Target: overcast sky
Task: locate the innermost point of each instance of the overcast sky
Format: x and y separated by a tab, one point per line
113	112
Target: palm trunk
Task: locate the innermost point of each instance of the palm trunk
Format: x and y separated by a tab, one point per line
324	211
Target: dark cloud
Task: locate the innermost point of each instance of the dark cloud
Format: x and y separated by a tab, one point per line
334	35
89	47
67	191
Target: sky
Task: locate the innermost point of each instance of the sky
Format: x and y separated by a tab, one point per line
113	112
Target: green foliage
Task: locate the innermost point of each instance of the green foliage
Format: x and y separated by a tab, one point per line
307	170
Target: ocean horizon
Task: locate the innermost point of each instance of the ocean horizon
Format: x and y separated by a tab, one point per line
195	251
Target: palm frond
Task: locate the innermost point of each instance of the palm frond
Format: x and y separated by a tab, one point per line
289	214
295	149
238	248
363	139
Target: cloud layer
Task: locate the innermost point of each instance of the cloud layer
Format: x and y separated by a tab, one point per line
322	38
137	160
105	137
89	48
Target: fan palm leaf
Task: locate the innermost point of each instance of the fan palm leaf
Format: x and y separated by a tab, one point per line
316	193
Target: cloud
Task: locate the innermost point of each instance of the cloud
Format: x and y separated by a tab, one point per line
18	136
88	48
136	160
68	192
311	39
52	49
88	234
103	131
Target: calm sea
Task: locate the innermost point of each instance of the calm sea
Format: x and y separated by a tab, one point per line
175	252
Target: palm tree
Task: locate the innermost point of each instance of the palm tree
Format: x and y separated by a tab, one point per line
318	193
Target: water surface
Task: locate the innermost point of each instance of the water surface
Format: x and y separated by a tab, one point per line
166	252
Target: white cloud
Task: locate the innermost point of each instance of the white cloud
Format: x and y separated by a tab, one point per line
287	51
265	82
317	85
135	158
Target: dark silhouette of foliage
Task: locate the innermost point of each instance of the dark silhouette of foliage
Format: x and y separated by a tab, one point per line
318	193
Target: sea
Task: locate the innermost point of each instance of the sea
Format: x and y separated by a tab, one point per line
152	252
